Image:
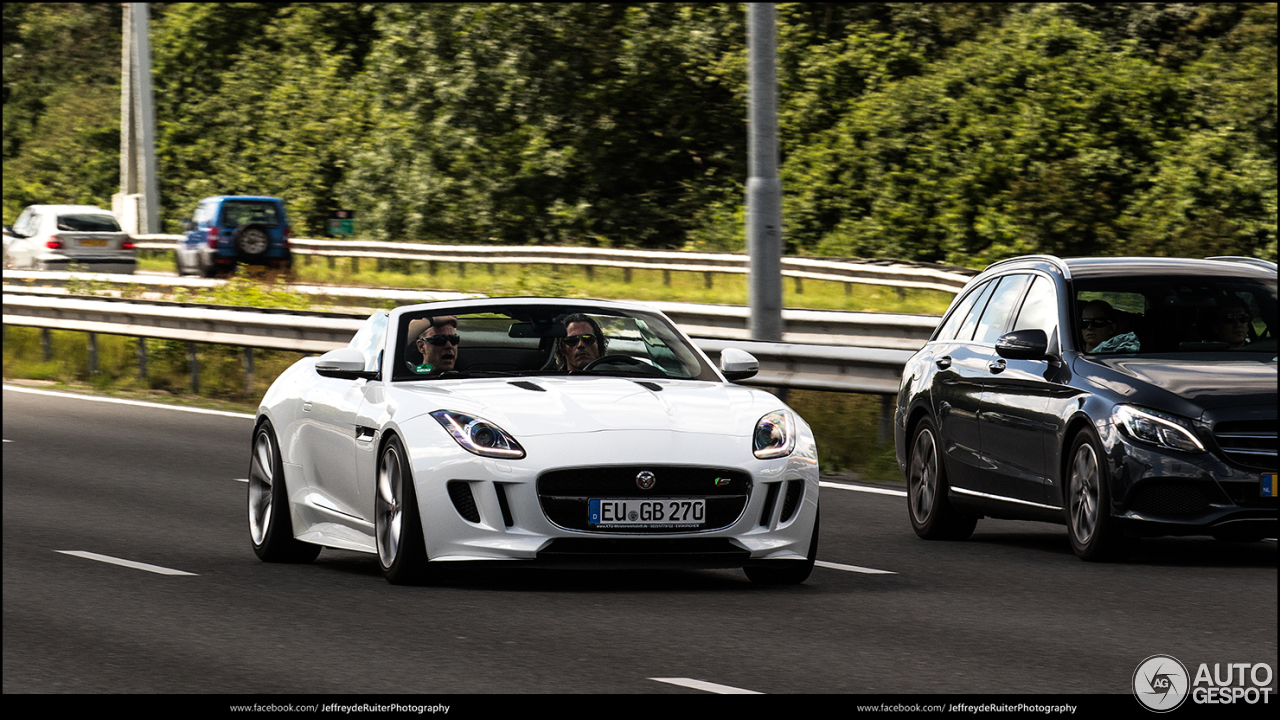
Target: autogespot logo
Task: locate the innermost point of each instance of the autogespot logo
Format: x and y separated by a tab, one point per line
1160	683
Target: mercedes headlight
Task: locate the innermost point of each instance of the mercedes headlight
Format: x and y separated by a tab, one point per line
1157	428
775	435
479	436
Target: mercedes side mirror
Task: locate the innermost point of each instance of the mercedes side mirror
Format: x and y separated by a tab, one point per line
1023	345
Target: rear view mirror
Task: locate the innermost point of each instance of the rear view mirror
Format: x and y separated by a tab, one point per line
186	224
535	329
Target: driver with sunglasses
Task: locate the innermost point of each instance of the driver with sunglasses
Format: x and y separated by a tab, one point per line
437	340
1101	331
583	343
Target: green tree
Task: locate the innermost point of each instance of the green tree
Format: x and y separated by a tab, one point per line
61	104
548	123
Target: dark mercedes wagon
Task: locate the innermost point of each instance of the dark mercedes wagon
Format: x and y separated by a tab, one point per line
1124	397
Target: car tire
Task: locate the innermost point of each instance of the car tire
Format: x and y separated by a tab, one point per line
270	527
1094	533
402	549
251	241
932	515
786	572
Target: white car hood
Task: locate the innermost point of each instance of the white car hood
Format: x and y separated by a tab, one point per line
592	404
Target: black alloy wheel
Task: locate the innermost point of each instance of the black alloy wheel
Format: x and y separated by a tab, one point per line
1095	535
931	512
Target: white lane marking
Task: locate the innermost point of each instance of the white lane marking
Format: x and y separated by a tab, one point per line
122	401
243	480
853	568
707	686
863	488
126	563
8	441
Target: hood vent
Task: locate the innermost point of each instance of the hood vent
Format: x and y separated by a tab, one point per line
525	384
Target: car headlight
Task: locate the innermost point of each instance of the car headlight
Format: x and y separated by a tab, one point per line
1157	428
775	435
479	436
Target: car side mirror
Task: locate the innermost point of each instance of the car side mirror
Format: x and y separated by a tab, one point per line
186	224
1023	345
738	364
345	363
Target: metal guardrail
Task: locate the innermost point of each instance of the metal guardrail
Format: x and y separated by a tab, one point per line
728	322
785	365
847	270
176	321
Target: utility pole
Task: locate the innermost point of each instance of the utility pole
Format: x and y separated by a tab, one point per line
764	189
138	202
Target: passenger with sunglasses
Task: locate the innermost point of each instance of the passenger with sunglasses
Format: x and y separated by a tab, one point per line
583	343
1101	331
1231	322
437	339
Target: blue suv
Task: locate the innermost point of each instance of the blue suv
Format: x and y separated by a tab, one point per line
232	229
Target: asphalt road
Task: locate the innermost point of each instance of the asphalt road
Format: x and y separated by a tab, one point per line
1010	611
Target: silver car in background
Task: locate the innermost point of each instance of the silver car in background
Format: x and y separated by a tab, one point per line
60	237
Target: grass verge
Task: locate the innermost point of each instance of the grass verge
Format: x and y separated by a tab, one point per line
600	282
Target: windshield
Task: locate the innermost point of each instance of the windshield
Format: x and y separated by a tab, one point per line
1175	314
552	339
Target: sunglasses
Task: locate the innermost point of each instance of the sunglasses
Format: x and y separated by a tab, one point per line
1095	322
438	340
573	340
1238	318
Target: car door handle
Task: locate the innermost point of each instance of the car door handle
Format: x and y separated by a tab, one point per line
997	366
306	406
943	362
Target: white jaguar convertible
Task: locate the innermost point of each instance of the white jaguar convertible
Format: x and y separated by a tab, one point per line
541	432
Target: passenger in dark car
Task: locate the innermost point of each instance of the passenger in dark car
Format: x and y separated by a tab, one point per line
1231	320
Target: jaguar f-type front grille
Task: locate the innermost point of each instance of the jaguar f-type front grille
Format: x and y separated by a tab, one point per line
565	495
1251	443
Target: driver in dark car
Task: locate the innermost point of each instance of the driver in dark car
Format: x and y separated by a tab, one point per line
583	344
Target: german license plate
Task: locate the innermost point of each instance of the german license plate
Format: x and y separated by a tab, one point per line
93	242
1268	484
642	513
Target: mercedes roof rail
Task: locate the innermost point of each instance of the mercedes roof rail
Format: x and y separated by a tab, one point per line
1242	259
1051	259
